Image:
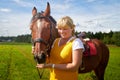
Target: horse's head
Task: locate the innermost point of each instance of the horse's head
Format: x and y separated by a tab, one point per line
43	33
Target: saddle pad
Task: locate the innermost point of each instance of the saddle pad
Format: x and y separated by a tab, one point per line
91	50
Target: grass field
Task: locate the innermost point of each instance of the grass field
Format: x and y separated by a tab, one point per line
17	63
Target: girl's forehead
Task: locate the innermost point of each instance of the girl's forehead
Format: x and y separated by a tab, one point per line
64	28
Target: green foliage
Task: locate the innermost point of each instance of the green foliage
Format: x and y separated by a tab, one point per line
99	35
90	35
23	38
108	38
116	38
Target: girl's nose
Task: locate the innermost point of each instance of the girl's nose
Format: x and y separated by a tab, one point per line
61	31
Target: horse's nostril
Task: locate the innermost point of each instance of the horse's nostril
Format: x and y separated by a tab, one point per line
43	56
40	58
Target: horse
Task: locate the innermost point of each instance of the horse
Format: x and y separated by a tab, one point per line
44	33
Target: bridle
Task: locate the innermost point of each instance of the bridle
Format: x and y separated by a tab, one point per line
41	40
36	41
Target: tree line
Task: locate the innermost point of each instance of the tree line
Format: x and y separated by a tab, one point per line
108	38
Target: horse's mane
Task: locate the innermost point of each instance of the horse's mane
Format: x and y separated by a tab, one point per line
37	16
52	19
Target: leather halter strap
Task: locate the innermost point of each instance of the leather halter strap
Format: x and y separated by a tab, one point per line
39	40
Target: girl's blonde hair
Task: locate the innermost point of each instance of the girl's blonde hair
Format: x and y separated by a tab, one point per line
65	22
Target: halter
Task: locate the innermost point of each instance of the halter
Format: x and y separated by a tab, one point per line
41	40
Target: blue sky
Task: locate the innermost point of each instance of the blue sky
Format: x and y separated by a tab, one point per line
88	15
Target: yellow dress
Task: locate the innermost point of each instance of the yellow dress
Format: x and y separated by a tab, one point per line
62	55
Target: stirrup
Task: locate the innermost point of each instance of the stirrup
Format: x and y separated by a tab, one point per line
82	66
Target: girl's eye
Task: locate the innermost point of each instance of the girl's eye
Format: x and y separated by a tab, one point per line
59	28
62	29
65	28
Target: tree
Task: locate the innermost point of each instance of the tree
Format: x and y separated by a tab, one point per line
116	38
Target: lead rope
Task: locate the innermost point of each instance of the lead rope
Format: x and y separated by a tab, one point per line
40	74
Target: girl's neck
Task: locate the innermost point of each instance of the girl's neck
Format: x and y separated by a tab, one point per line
63	41
66	39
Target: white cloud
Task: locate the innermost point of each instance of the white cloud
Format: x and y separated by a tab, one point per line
3	21
68	1
15	25
95	17
60	7
23	3
103	23
100	21
91	0
5	10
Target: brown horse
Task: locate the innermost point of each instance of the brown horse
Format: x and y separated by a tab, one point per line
44	33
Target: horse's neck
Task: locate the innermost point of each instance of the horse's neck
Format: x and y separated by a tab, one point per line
55	33
54	30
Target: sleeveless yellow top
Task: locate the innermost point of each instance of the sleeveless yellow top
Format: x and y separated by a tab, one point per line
62	55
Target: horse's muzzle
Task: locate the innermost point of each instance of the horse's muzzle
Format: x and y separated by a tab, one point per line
40	58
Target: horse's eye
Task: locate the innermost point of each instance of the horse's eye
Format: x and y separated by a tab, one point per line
30	27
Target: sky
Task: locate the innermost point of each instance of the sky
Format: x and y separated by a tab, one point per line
87	15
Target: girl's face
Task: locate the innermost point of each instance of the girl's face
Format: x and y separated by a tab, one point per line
65	32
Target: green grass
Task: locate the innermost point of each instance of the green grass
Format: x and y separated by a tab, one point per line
17	63
113	68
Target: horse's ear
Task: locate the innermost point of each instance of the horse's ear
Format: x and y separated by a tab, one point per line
47	11
34	11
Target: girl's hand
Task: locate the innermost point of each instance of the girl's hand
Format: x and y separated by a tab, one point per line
44	66
40	66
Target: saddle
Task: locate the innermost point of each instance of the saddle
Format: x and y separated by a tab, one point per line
90	49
